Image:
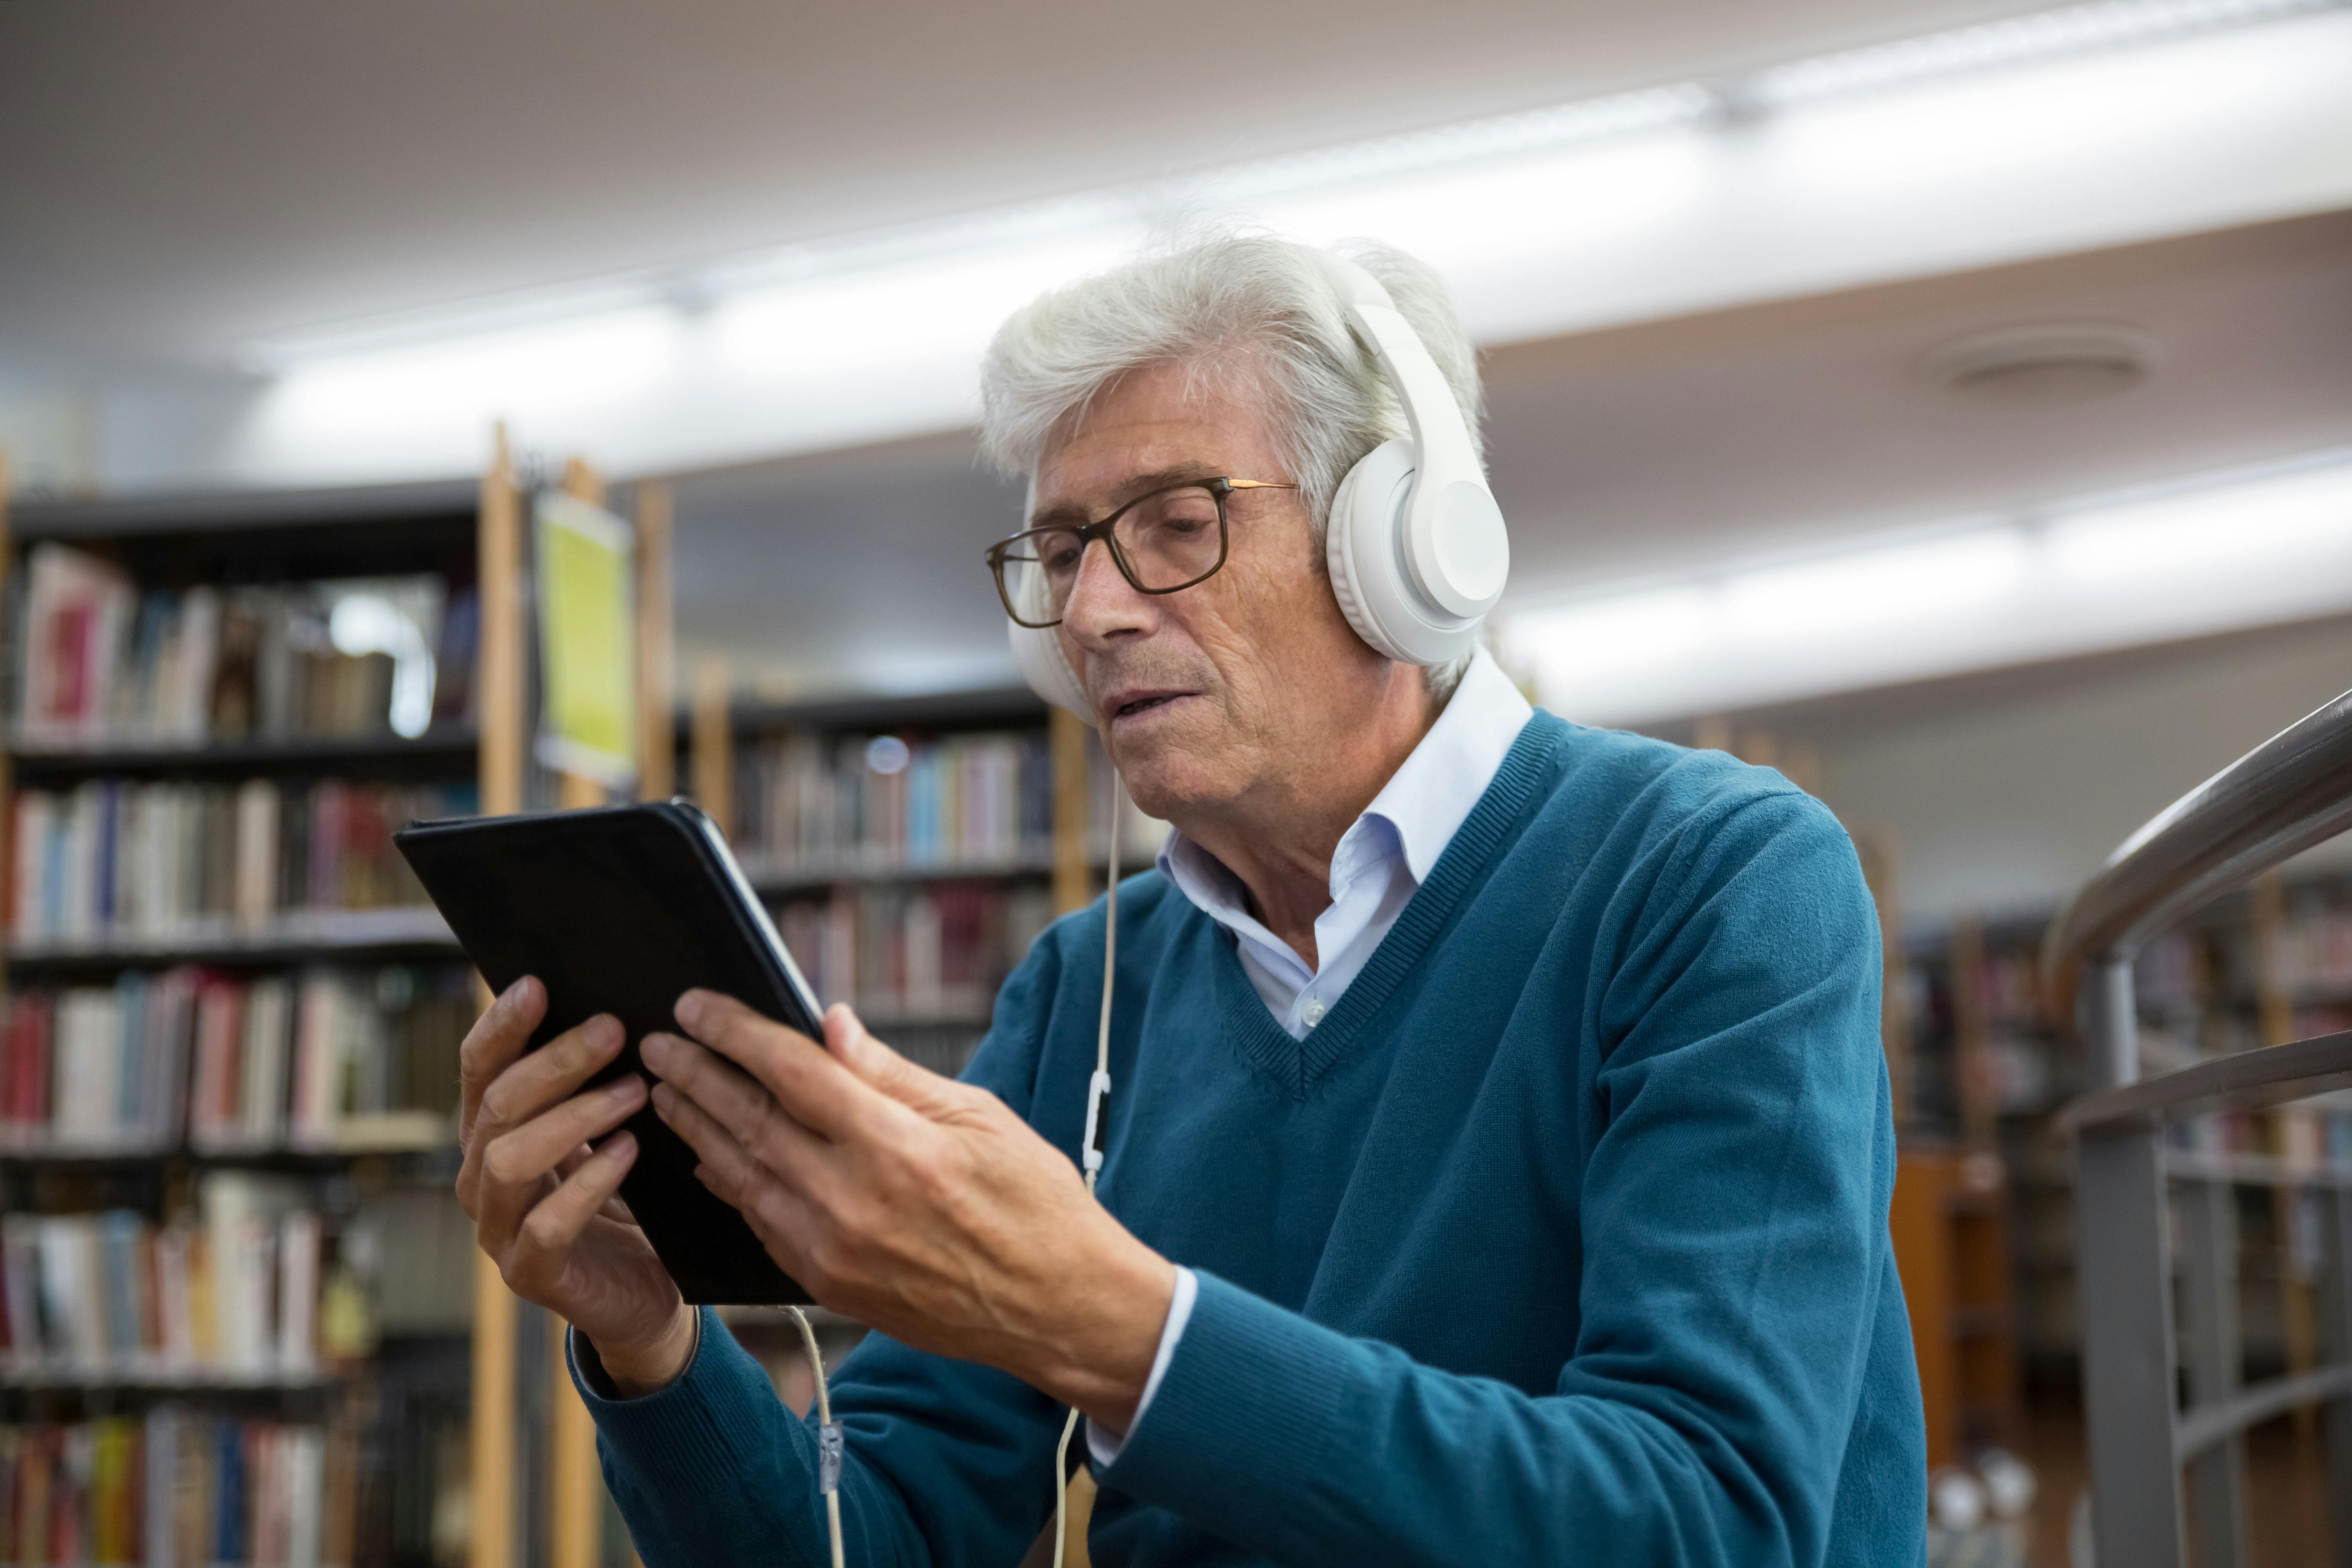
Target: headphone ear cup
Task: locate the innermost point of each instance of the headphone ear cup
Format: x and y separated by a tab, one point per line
1349	509
1363	545
1047	669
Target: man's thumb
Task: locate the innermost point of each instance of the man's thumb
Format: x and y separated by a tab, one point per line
857	1048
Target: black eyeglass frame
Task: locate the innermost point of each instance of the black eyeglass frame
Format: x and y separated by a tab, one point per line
1087	533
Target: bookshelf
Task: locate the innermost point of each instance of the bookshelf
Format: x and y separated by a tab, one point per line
234	1309
911	848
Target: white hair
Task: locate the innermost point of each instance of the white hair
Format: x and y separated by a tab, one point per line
1260	316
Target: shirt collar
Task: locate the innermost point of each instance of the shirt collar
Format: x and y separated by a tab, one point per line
1422	806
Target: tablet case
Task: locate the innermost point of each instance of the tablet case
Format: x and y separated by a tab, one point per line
620	910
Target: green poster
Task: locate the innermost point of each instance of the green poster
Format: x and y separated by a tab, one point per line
587	642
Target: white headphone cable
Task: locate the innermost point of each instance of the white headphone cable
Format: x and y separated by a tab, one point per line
828	1438
1091	1150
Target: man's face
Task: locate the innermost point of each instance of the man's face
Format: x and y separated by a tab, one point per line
1225	691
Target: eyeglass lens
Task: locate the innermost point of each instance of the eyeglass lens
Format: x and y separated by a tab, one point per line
1165	540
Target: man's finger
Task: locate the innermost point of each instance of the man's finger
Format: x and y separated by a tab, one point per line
910	1083
518	1167
742	1147
496	1037
546	1142
815	1090
731	1097
548	1076
778	1216
556	1221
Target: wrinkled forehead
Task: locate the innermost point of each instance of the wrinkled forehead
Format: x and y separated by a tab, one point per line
1158	424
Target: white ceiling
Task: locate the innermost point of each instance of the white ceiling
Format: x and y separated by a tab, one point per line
178	178
1646	450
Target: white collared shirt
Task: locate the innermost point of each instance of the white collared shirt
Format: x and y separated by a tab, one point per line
1381	860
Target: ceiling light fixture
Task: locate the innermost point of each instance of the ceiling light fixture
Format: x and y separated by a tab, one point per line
2042	365
1321	177
2046	35
2224	551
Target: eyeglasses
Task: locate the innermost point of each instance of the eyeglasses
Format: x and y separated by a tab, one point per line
1162	542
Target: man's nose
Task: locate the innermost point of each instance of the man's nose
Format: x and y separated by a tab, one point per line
1102	602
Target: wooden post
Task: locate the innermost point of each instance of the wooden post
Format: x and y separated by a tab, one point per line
1880	869
575	1516
1919	1224
714	742
498	541
7	806
2275	1013
7	812
1971	1031
656	656
1073	877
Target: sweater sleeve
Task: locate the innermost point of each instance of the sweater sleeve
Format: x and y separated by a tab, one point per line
945	1463
1732	1212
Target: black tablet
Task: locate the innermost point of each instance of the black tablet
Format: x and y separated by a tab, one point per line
621	910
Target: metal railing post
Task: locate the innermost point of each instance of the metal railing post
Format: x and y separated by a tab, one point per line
2288	794
2209	1244
2335	1345
2110	1018
2126	1288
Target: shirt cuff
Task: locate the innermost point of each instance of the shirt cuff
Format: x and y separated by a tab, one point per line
1105	1445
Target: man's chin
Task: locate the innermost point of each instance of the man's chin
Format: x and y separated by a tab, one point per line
1169	767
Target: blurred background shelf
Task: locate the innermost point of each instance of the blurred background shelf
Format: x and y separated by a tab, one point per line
387	756
284	940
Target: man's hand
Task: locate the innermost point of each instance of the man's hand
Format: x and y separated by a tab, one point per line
543	1205
918	1205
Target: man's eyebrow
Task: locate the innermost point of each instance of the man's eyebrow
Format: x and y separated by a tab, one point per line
1124	491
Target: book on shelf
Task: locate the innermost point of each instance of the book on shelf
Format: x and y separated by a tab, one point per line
230	1294
116	858
101	660
935	952
973	799
326	1059
175	1488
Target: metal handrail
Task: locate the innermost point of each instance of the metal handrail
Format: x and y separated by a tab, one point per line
2208	1426
2289	793
2247	1081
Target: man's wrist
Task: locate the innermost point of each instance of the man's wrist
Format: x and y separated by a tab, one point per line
1106	1356
638	1369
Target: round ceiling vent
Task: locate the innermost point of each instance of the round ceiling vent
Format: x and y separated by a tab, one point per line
2050	365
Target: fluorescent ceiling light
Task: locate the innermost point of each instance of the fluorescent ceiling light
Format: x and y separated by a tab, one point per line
1874	588
2254	527
1553	221
2047	35
2227	551
1984	125
1333	179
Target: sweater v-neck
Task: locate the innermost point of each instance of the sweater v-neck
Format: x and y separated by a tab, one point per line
1294	1065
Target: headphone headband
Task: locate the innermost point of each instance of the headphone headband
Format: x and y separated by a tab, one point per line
1417	548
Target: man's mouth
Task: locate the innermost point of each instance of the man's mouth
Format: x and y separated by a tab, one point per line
1144	702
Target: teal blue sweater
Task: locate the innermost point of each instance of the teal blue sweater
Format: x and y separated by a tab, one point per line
1562	1240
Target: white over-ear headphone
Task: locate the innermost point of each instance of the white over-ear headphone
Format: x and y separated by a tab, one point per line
1417	550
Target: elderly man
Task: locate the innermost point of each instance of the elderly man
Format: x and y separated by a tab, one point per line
1499	1165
